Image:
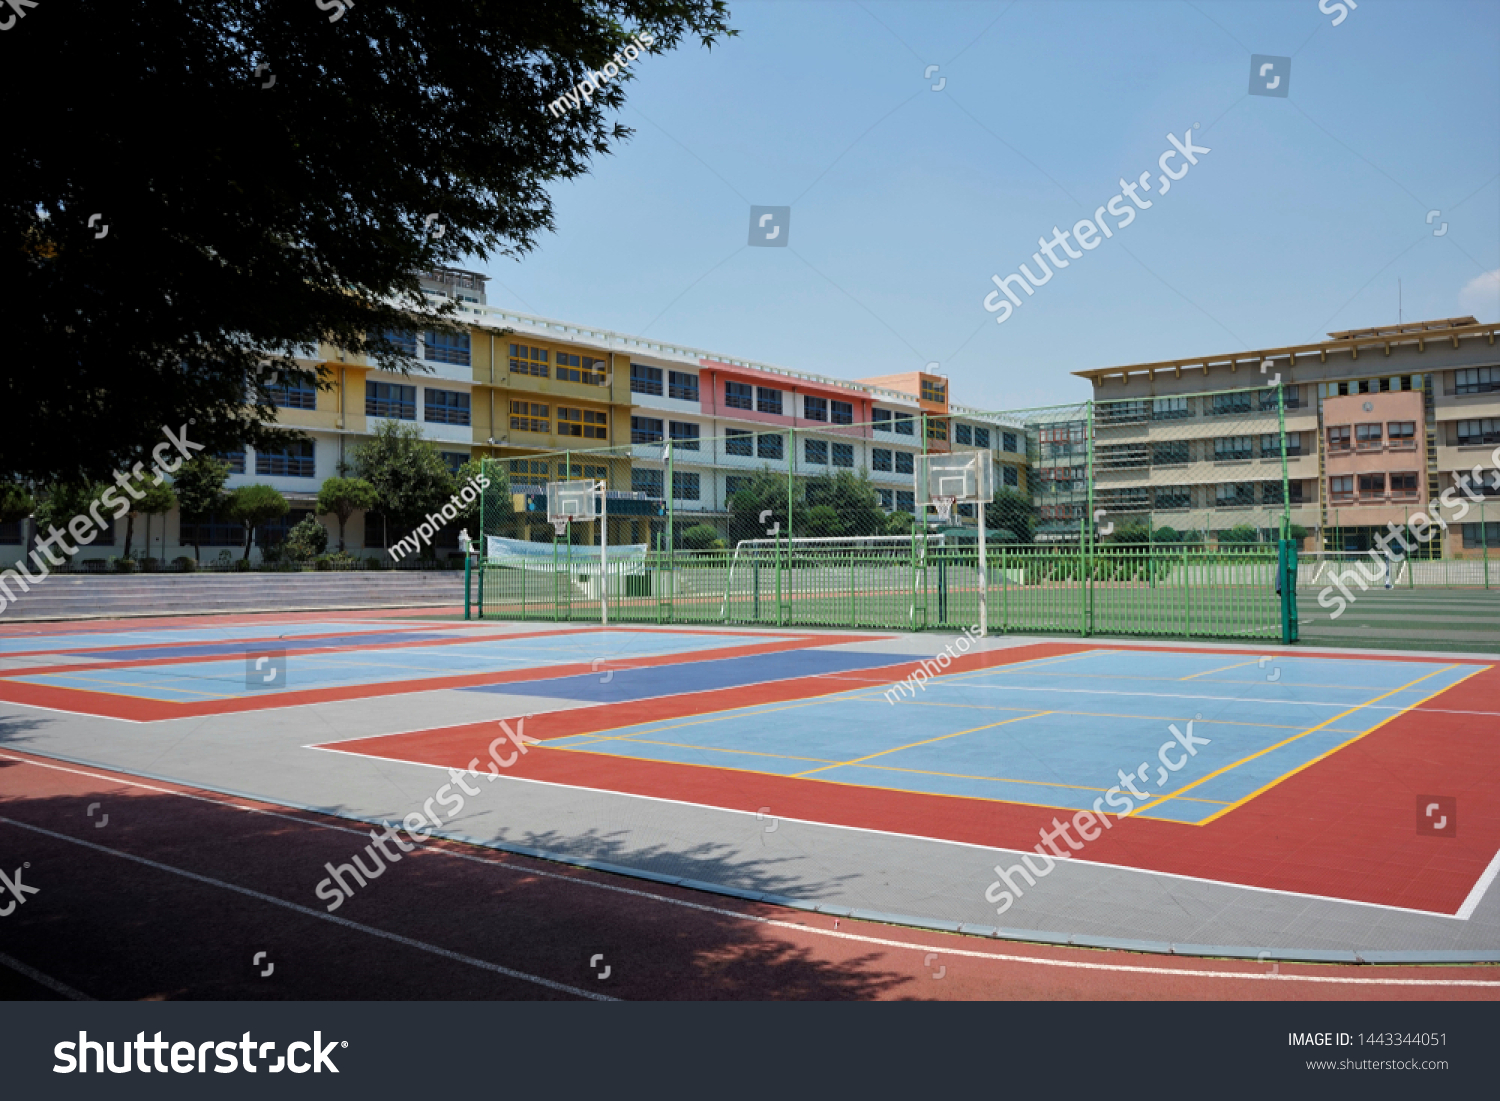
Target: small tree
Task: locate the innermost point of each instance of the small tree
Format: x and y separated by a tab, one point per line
199	486
306	540
1011	511
16	502
253	506
155	499
342	498
1239	535
409	476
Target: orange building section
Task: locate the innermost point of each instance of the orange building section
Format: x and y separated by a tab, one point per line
1375	457
931	391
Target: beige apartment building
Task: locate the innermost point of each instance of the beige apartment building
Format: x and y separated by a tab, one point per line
1379	422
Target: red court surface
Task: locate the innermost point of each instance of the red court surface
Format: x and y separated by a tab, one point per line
1342	826
216	888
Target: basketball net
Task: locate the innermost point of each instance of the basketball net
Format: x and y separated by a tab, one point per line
944	507
561	525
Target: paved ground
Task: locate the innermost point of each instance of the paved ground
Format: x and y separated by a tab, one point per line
74	933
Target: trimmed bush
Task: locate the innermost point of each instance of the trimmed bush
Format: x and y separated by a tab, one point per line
185	564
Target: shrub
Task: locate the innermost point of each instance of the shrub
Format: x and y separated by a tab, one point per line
184	563
241	565
306	541
701	537
125	565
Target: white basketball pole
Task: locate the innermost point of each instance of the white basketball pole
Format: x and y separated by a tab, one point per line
984	573
604	553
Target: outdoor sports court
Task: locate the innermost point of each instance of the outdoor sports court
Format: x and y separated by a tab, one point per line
1275	799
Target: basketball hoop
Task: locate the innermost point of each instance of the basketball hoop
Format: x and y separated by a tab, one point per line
561	525
944	508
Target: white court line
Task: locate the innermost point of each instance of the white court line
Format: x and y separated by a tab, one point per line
791	926
45	980
307	911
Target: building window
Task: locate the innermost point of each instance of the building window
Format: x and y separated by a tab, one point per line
767	401
448	348
733	484
843	454
391	399
737	395
584	369
1230	404
684	436
530	416
645	430
815	451
1478	380
294	394
739	443
1008	443
937	429
880	459
1176	497
905	425
526	360
842	412
404	342
904	464
1233	448
1268	403
453	460
235	459
1170	409
292	460
966	511
531	472
1234	494
1171	453
1122	412
682	386
1122	456
645	380
1401	434
588	423
981	438
1372	485
768	446
212	530
887	499
1341	489
445	406
1404	484
1368	437
1471	433
814	409
1482	535
1010	476
685	486
1338	437
882	419
934	391
906	501
963	434
1270	445
649	482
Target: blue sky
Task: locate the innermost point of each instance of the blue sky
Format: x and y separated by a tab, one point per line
905	201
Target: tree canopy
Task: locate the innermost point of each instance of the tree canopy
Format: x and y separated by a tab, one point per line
236	178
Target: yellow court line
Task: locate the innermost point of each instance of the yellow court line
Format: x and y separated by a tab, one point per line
1221	669
636	740
1335	749
1003	780
924	741
1293	738
1113	715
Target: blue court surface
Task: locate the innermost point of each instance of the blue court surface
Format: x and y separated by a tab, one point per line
1057	732
624	685
227	679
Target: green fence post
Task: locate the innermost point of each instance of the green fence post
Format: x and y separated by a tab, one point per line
1484	540
1187	598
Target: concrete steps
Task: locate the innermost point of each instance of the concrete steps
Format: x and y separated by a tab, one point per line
86	596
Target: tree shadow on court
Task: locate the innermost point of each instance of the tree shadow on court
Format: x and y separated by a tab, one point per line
176	897
16	732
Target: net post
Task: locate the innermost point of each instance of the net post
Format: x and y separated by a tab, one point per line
984	573
603	552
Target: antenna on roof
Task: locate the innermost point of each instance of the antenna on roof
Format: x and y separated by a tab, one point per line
1399	319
